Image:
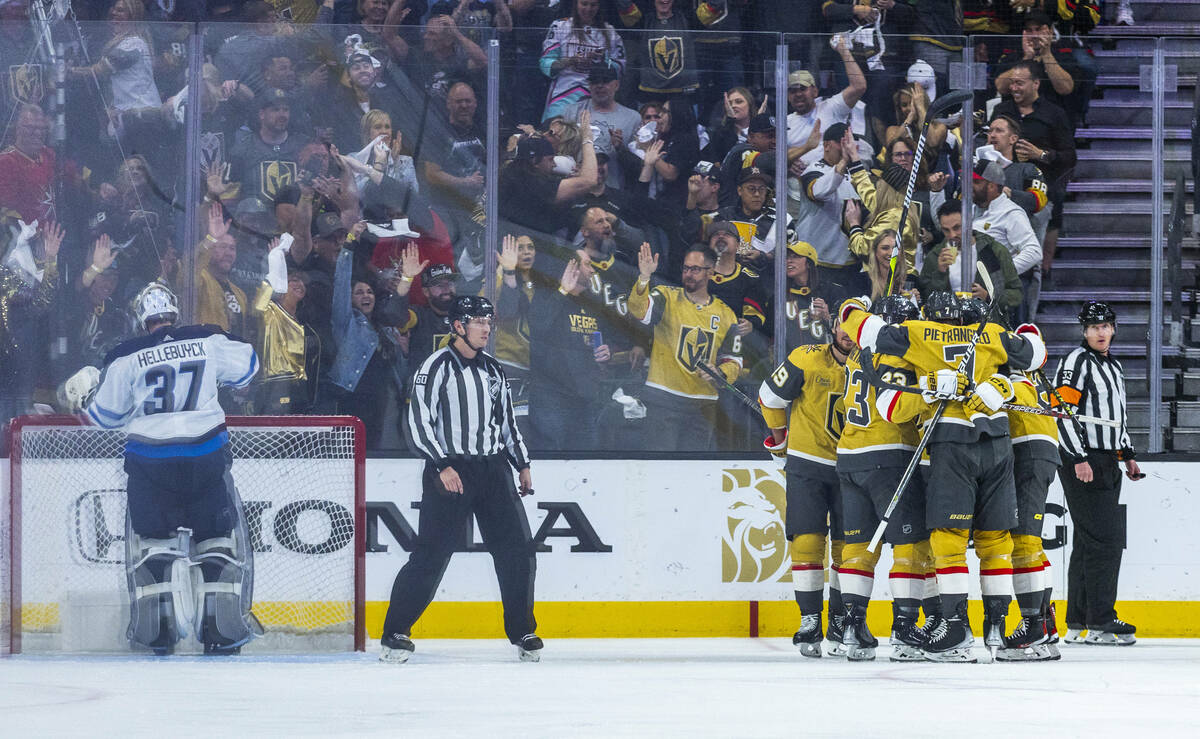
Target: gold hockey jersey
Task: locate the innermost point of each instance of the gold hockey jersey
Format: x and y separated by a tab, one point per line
811	382
686	334
869	440
1032	434
929	346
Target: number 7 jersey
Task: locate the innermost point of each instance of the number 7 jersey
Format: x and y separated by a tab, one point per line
163	387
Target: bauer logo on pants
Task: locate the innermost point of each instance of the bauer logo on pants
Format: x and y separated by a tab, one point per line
753	545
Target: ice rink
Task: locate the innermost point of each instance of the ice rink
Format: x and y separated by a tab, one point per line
609	687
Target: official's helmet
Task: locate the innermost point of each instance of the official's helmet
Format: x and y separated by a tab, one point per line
1096	312
895	309
466	307
973	309
942	307
156	302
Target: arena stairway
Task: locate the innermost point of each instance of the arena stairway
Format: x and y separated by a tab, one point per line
1104	248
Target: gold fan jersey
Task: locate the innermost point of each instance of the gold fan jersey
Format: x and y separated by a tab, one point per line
931	346
812	382
1037	435
686	334
869	440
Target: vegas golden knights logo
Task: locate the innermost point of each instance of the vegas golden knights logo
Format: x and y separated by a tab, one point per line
275	176
754	546
26	84
695	345
666	55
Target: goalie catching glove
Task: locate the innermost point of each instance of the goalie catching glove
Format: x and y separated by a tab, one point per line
777	449
989	395
76	392
943	382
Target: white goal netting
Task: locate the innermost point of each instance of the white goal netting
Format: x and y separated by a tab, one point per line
63	571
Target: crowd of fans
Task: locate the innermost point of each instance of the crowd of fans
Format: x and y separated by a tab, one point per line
343	170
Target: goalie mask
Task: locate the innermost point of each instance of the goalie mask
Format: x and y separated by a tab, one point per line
156	302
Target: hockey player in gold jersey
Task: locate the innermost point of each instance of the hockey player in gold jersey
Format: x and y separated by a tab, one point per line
1035	463
802	404
871	457
690	328
970	484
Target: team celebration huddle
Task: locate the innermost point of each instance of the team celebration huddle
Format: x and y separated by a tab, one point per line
933	427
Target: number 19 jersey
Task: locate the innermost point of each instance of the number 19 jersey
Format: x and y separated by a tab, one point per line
163	387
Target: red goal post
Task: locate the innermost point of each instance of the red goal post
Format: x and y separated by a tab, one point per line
62	568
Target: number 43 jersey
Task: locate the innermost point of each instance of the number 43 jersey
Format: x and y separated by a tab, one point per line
163	388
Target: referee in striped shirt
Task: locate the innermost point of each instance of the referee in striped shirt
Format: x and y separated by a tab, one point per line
460	418
1092	381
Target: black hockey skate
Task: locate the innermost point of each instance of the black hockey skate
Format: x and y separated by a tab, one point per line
951	641
908	641
858	640
808	638
395	648
1115	633
529	649
1023	644
834	636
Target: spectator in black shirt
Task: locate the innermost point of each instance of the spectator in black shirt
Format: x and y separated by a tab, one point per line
531	196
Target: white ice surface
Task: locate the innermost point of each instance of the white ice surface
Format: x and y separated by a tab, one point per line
607	687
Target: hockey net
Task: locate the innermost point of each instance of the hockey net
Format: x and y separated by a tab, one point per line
62	577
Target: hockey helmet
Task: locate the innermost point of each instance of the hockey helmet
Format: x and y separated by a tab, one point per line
466	307
973	309
1096	312
156	302
943	307
895	309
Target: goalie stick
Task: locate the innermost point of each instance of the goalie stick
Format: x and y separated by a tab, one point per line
937	109
963	363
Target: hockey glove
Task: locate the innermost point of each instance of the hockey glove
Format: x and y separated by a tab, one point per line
944	382
852	304
989	396
780	449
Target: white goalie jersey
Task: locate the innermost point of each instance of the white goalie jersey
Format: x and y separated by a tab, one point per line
163	387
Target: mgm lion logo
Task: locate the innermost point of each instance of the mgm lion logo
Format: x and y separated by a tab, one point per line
666	55
753	545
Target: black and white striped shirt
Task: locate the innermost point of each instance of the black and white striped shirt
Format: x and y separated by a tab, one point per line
1095	385
462	408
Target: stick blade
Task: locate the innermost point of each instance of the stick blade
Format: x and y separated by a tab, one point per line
949	102
986	278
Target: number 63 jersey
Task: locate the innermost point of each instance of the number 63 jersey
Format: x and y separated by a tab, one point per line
163	387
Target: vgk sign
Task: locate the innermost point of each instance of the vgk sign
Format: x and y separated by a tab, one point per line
308	527
563	520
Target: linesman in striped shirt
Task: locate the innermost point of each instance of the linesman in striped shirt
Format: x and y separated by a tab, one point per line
461	420
1092	380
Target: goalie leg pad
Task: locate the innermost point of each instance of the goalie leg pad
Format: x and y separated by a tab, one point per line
223	596
159	580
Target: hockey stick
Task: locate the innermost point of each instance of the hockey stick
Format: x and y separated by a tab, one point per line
940	107
963	363
729	387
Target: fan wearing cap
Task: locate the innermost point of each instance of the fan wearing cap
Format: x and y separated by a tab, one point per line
362	87
738	287
1025	183
756	151
704	187
573	47
531	195
810	297
1092	381
942	270
753	215
825	191
999	217
614	123
811	112
428	326
270	158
